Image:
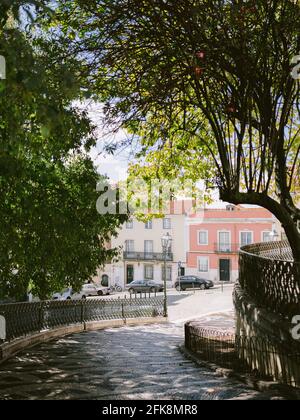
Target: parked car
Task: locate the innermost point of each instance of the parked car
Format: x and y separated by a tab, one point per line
193	282
140	286
103	291
87	290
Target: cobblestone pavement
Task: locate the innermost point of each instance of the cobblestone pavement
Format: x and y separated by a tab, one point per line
119	364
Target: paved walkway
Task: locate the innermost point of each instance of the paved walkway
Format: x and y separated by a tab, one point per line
184	306
119	364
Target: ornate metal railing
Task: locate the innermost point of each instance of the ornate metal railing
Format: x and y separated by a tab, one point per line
271	250
23	319
229	248
214	345
269	275
245	354
147	256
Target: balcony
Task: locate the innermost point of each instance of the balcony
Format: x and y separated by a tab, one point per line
146	256
227	248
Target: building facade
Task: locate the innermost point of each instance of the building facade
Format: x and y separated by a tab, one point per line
216	237
141	252
205	245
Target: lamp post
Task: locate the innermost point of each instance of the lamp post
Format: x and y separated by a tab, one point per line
166	242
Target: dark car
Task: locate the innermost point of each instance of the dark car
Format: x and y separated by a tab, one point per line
140	286
193	282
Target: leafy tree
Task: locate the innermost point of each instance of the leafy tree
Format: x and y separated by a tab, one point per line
51	234
13	9
225	63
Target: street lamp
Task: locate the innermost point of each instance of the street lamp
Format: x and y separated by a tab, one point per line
166	242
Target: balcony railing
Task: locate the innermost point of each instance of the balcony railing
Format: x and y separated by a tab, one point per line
147	256
227	248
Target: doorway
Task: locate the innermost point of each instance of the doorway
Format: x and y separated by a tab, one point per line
225	270
129	274
104	280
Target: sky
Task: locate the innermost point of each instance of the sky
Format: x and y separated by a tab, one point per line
114	166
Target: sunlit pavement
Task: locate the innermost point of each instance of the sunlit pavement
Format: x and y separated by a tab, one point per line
120	364
189	305
184	306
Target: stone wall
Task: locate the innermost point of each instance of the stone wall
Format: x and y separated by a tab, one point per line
264	341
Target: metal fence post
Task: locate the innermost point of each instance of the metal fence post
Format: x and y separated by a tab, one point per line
41	316
82	315
2	328
125	306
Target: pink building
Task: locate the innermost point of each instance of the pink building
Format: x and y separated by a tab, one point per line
215	237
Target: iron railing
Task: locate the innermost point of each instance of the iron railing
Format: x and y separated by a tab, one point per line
147	256
245	354
23	319
229	248
213	345
271	250
269	275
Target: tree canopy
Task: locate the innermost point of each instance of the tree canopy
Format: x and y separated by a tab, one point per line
51	233
218	71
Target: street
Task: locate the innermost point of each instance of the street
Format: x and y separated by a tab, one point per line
184	306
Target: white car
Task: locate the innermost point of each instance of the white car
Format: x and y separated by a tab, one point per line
87	290
101	291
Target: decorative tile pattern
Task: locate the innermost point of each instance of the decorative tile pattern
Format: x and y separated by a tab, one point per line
129	363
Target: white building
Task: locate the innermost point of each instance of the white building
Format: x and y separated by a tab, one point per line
141	252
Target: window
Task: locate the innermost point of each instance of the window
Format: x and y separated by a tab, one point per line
148	272
148	248
167	223
203	263
203	237
169	273
149	225
266	237
224	242
129	246
129	225
246	238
